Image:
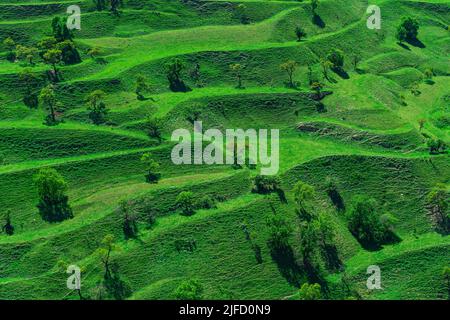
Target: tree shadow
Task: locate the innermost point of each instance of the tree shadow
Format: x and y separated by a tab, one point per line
315	275
341	73
332	260
337	200
281	195
404	46
416	43
288	267
317	20
389	238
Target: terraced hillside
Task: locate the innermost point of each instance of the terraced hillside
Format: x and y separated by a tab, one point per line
377	126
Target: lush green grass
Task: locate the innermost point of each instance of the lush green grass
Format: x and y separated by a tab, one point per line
366	135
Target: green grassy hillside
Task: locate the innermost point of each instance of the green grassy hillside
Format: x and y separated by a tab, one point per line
371	130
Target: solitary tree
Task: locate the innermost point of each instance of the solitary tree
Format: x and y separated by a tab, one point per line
310	292
105	250
304	195
26	53
7	226
153	175
141	87
28	78
94	52
53	57
438	203
189	290
408	29
237	68
326	65
153	126
185	202
317	88
421	124
53	202
97	108
10	45
356	59
174	70
365	224
48	98
429	76
115	4
130	228
300	33
290	66
336	57
280	231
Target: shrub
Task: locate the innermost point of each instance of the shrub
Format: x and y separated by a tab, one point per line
189	290
408	29
365	223
152	166
280	231
266	184
206	202
300	33
437	146
185	202
97	108
336	57
53	202
174	71
310	292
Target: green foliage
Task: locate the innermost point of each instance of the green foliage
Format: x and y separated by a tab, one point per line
152	167
205	202
7	227
48	98
438	204
365	223
53	201
190	289
237	68
280	232
10	45
60	30
290	66
174	71
153	127
29	79
266	184
141	87
186	203
304	195
408	29
437	146
300	33
97	108
336	57
310	292
130	227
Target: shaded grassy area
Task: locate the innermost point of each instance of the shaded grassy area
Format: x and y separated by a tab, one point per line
370	134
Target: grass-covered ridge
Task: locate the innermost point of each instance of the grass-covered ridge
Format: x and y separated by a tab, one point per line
379	128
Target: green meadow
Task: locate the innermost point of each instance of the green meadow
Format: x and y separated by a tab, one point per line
378	127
